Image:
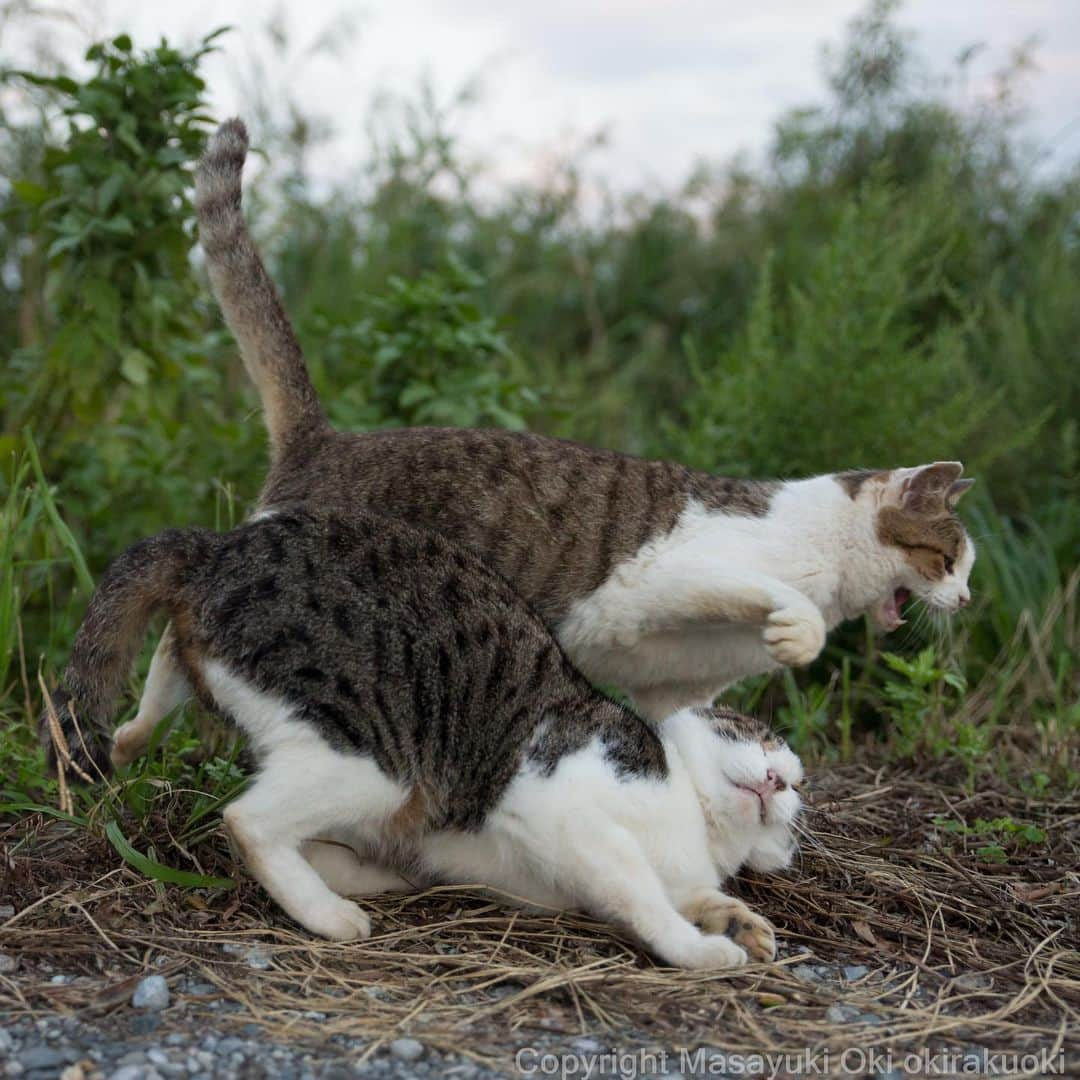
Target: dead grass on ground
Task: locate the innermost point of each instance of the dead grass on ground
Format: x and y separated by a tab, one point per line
959	952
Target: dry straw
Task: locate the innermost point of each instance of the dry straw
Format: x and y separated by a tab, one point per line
958	951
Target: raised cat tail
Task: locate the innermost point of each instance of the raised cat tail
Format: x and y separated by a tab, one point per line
143	579
252	308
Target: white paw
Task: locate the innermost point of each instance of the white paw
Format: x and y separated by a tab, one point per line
128	743
715	952
340	921
794	636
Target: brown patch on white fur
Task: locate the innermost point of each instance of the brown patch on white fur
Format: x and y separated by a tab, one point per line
922	524
411	819
931	541
853	479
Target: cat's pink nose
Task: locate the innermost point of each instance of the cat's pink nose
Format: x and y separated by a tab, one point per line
766	787
774	780
963	600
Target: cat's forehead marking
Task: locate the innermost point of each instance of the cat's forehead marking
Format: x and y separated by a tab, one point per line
853	479
734	725
942	532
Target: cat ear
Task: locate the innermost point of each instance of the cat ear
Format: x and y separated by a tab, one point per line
956	489
928	484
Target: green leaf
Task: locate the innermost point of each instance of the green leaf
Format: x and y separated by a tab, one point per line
38	808
30	193
135	367
109	190
159	871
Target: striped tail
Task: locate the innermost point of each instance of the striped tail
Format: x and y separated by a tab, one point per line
252	308
75	724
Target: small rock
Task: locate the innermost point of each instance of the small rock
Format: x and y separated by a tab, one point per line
13	1068
407	1049
7	911
7	963
135	1072
152	993
806	972
855	971
157	1057
587	1045
842	1014
257	958
872	1019
45	1057
60	980
972	981
6	1041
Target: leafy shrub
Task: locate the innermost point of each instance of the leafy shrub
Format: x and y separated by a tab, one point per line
426	353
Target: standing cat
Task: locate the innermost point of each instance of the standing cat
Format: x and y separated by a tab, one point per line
667	582
403	702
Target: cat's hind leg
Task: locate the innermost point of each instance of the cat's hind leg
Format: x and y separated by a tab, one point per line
304	788
266	825
166	688
347	873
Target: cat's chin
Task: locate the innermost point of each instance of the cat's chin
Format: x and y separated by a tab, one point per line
887	615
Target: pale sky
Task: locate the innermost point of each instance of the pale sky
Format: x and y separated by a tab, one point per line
670	81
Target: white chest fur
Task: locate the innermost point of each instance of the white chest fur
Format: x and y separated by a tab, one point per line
689	614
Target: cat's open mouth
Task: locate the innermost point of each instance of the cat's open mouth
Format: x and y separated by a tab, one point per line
888	612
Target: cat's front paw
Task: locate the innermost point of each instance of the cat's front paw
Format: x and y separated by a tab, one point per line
714	953
726	915
340	921
794	636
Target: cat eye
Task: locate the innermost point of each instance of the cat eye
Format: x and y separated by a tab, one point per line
950	564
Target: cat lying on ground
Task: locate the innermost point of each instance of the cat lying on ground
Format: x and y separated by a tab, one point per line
413	719
666	582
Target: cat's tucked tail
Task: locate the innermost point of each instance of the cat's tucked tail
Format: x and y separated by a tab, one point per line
146	577
253	311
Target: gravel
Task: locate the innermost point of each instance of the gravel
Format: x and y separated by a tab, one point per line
152	993
112	1048
210	1040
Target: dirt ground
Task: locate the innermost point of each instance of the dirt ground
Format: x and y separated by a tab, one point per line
899	933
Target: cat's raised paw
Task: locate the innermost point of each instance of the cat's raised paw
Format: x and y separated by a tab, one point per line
341	921
794	636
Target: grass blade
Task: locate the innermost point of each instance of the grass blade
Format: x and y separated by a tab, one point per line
158	871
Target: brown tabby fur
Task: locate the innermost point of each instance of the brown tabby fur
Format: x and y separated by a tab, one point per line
553	517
